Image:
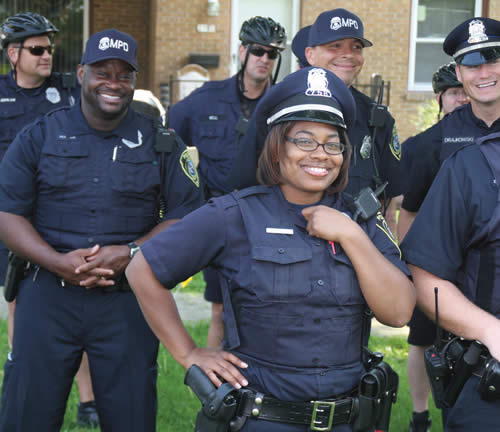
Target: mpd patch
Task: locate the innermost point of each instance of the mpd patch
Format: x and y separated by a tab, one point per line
395	144
187	166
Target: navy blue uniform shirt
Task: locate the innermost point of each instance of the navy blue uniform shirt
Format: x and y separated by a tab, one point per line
458	206
83	187
208	119
458	128
361	171
19	106
284	294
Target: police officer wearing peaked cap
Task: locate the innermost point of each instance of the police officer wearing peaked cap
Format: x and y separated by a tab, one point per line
292	264
453	242
89	179
214	119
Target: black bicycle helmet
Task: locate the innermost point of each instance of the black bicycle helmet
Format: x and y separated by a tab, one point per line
444	78
263	31
24	25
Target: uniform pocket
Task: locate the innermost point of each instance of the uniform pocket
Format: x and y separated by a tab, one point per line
211	135
61	163
135	173
281	274
345	287
11	115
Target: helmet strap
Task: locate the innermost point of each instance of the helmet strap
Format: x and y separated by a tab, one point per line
277	71
241	73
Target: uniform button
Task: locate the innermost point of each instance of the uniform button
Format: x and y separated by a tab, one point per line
92	210
281	250
317	320
321	282
90	239
315	360
95	180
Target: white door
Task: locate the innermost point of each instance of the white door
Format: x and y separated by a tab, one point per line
286	12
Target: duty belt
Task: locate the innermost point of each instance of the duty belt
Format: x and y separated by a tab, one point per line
319	415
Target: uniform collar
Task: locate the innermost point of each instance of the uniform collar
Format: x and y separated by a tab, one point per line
31	92
126	129
480	123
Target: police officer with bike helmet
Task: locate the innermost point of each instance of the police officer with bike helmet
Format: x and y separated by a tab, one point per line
214	119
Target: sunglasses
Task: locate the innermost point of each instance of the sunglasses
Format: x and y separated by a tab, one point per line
259	52
38	50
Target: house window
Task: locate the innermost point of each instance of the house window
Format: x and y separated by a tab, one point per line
66	15
431	21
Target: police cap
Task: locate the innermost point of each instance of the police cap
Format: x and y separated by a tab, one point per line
474	42
110	44
299	44
310	94
335	25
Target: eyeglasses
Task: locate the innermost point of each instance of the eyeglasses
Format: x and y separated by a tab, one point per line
309	145
38	50
259	52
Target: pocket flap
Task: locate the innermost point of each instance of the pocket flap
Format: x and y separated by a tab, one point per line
66	149
281	255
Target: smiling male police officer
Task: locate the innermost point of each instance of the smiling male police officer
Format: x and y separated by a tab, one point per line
215	117
336	42
89	179
453	243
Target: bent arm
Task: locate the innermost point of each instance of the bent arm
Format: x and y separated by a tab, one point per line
456	313
161	313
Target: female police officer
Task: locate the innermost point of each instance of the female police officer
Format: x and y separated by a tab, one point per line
296	270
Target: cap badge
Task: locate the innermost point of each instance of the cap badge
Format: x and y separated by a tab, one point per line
476	32
106	43
337	22
317	84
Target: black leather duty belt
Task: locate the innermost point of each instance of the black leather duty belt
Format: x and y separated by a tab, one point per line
318	415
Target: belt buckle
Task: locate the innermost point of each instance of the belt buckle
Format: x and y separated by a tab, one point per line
317	410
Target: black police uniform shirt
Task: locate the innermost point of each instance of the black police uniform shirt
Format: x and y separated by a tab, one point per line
455	130
19	106
457	229
211	119
292	302
83	187
361	170
387	151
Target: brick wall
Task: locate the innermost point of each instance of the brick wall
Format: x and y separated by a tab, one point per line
177	36
129	16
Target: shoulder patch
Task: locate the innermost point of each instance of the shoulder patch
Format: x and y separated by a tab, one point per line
188	167
395	144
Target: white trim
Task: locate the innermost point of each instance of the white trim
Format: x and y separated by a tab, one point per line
304	107
475	48
418	86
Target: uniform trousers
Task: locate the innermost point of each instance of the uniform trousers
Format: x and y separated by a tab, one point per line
54	324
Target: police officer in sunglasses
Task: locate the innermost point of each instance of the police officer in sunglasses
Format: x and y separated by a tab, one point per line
28	91
214	118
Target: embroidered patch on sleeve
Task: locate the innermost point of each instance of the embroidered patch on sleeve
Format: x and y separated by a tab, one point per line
395	144
188	167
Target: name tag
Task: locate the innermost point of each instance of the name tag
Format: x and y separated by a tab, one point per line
286	231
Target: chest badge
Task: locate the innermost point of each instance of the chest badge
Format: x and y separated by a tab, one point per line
131	144
53	95
366	147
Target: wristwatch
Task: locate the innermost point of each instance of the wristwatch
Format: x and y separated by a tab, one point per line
133	249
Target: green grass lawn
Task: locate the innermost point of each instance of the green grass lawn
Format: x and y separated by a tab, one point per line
178	404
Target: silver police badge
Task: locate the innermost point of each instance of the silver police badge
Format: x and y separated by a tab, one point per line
131	144
53	95
476	32
317	84
366	147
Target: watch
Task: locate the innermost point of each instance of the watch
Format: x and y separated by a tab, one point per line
133	249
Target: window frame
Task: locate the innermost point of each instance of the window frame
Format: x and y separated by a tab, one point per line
418	86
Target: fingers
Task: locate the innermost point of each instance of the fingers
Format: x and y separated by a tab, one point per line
101	278
222	366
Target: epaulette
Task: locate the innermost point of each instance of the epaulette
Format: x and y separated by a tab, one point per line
252	190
